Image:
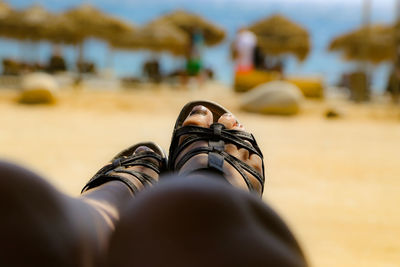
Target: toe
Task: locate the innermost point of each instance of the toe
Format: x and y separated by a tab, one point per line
239	127
143	149
199	116
228	120
256	162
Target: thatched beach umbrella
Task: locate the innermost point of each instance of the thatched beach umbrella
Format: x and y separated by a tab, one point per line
156	36
92	22
4	9
63	30
87	21
374	44
25	24
189	23
277	35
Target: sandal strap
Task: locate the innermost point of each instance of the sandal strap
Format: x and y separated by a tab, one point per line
119	165
139	160
216	160
102	179
144	178
217	135
196	133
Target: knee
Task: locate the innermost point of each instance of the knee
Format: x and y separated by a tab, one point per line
200	203
34	227
188	222
176	223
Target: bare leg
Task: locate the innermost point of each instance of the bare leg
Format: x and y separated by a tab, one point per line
204	219
201	221
36	226
41	226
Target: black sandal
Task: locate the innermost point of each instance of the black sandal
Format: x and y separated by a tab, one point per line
126	159
216	136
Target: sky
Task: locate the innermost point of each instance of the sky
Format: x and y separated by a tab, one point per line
59	4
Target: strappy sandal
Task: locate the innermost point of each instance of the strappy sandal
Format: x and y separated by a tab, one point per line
216	136
125	159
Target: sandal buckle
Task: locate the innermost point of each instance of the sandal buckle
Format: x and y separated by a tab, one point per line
217	145
217	129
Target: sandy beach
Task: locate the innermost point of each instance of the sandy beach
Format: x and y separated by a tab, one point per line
335	182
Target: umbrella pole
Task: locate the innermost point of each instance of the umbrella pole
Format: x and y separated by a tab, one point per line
79	61
80	53
396	67
363	92
110	57
21	48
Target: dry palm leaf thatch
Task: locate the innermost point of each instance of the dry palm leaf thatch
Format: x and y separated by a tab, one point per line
91	22
4	9
190	23
63	30
157	36
277	35
26	24
374	44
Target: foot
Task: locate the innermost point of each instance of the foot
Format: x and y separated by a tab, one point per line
203	117
141	169
136	169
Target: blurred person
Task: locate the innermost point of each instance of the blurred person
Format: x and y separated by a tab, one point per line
393	83
151	70
259	59
244	50
206	212
194	63
11	67
56	62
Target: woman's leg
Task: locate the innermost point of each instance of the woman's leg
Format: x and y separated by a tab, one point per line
40	226
201	221
204	219
36	226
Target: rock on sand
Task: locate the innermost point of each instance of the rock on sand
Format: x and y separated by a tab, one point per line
38	88
277	97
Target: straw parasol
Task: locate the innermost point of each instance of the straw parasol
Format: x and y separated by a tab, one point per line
374	44
87	21
277	35
35	23
189	23
92	22
26	24
62	30
73	26
157	36
4	9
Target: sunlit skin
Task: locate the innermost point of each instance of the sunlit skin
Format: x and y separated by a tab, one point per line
201	116
198	220
84	234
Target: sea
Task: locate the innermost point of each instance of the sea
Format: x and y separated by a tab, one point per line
324	19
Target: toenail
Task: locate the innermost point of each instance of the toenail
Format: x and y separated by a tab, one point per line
227	115
199	110
142	149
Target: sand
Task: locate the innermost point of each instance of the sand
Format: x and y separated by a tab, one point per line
335	182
